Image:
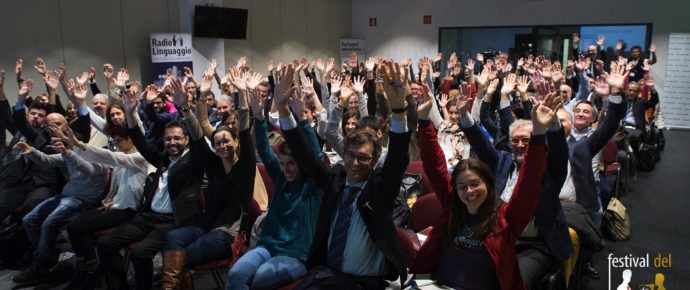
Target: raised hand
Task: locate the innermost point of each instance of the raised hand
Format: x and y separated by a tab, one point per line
283	89
619	45
130	101
307	86
358	85
40	66
135	86
83	78
652	48
645	65
616	78
336	83
122	78
108	71
443	101
542	115
237	80
62	71
576	37
52	79
151	92
523	84
206	81
601	87
425	103
297	104
493	86
178	93
18	67
600	40
330	64
188	73
464	101
438	57
557	74
241	62
213	66
509	84
480	57
92	73
253	80
395	84
370	63
320	65
256	103
483	77
470	64
79	92
270	67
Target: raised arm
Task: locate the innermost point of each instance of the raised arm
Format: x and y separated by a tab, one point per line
433	159
520	209
152	155
477	139
615	111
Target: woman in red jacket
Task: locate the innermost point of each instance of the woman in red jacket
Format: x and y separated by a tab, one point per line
472	245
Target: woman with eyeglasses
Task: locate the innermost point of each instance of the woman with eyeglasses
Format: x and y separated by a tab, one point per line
472	245
229	167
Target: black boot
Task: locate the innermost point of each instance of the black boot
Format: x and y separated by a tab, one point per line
79	280
33	274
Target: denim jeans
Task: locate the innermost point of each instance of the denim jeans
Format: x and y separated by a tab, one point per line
44	222
201	246
256	269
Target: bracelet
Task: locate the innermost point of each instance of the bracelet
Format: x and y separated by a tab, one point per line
400	110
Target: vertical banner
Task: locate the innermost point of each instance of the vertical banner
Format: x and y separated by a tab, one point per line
170	50
675	100
348	46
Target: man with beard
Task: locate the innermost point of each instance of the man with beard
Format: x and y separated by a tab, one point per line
171	201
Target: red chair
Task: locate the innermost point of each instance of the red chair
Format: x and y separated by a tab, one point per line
268	181
425	211
407	247
417	167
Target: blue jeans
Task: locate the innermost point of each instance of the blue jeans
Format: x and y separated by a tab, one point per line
256	269
201	246
44	222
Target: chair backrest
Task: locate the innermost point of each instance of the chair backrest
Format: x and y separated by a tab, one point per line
407	247
610	153
425	211
268	182
417	167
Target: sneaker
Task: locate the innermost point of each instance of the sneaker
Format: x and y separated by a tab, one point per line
33	274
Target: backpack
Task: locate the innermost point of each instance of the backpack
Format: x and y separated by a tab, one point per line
411	186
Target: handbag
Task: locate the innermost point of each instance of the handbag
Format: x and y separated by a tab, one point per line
617	221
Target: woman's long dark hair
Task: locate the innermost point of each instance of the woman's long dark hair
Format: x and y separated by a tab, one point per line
109	123
488	210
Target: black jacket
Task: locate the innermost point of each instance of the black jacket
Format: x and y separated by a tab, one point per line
375	203
184	180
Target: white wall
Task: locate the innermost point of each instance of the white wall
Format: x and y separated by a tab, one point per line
81	34
400	32
86	33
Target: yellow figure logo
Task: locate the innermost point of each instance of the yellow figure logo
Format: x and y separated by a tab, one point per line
658	283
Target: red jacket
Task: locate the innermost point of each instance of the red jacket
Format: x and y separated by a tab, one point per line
513	216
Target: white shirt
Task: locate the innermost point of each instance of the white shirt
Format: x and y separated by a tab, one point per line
568	192
161	199
510	185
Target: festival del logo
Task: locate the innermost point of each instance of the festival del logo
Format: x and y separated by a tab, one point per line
623	270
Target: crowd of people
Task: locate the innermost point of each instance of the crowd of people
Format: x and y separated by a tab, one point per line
510	144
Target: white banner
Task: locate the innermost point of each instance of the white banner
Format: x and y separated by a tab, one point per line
348	46
171	47
675	101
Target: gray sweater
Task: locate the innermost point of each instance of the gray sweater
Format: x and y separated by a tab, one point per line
87	181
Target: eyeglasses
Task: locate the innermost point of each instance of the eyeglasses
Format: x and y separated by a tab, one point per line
517	140
360	158
472	186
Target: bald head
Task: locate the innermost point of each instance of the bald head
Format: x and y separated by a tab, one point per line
56	119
